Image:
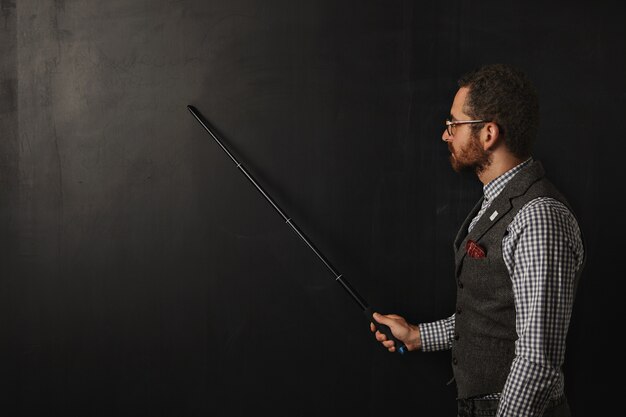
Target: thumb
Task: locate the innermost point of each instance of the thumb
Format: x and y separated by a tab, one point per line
381	319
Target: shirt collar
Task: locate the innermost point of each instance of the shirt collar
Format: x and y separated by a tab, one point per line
495	186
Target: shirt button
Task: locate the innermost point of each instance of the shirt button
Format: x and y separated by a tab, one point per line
454	361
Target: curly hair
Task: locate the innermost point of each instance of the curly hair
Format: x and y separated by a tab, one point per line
504	95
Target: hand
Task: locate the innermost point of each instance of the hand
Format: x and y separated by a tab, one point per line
403	331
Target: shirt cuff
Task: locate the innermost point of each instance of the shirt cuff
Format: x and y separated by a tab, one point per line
437	335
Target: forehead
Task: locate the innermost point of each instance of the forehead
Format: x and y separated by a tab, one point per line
459	101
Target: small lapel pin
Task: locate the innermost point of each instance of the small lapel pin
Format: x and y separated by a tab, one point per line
493	216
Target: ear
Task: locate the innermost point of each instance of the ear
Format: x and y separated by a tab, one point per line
490	136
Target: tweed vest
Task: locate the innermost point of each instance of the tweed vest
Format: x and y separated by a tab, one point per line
483	345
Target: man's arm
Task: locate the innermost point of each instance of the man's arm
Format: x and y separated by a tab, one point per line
437	335
543	251
426	336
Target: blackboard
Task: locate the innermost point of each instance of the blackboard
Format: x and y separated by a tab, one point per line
141	274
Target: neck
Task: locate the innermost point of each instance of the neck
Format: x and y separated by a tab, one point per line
498	166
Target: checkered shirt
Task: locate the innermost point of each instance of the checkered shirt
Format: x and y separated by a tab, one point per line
542	252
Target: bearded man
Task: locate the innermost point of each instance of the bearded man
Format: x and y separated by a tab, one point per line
518	258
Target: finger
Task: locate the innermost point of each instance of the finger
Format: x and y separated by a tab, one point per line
372	327
380	337
382	319
388	343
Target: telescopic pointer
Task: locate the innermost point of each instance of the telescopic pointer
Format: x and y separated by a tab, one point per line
400	347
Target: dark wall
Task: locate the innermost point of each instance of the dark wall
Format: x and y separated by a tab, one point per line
142	275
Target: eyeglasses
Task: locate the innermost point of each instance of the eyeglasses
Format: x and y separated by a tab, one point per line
450	125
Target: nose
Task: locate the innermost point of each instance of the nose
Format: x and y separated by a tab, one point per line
446	137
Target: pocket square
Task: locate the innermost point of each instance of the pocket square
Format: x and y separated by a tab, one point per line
474	250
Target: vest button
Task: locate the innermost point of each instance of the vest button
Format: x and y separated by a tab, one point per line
454	361
456	336
458	310
460	284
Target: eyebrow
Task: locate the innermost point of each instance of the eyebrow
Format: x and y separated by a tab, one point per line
452	118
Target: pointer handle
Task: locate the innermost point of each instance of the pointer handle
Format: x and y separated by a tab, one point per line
384	329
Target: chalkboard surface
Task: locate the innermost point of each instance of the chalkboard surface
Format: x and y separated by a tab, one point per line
142	274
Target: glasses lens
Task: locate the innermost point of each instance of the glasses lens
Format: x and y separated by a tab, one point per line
449	127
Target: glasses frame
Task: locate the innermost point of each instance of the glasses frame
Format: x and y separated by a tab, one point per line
450	124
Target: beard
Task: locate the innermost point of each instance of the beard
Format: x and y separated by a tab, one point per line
470	158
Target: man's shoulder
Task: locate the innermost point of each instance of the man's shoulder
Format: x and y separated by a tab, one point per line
546	188
546	212
544	221
545	205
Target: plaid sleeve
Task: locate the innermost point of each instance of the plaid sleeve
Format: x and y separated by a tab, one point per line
437	335
543	252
